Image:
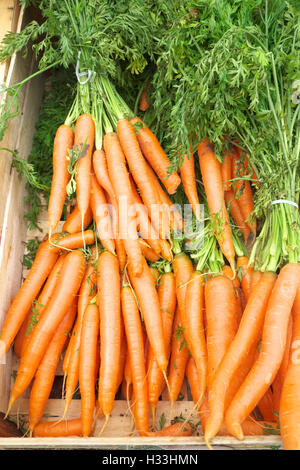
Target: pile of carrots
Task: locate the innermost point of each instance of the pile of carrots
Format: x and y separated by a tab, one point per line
130	311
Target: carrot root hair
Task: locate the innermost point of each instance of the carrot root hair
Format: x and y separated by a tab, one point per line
104	425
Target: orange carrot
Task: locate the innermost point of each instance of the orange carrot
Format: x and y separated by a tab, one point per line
247	334
70	280
63	142
266	406
71	427
102	216
86	293
120	180
84	140
177	429
144	103
243	192
155	155
212	179
43	263
74	221
135	344
109	303
226	170
272	348
236	214
87	366
245	273
193	327
188	178
167	302
145	290
289	412
178	360
148	252
45	373
19	340
72	241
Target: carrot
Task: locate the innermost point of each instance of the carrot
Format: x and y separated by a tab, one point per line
289	411
250	427
266	406
148	252
243	192
45	373
19	340
127	381
272	348
155	273
63	142
120	180
144	225
87	366
86	293
173	215
188	178
212	179
71	427
123	355
40	303
144	103
222	322
236	214
245	273
73	222
177	429
167	302
43	263
102	216
178	360
72	241
166	250
155	155
255	278
109	303
193	327
247	334
183	269
226	170
84	140
135	344
138	169
70	280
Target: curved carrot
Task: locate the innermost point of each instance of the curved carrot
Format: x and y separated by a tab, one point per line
247	334
188	178
102	216
155	155
289	411
84	140
148	252
63	142
236	214
120	180
45	373
73	223
71	427
21	335
144	103
135	344
70	280
72	241
272	348
109	303
43	263
87	366
212	179
145	290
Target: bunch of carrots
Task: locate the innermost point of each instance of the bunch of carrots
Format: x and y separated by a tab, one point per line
123	298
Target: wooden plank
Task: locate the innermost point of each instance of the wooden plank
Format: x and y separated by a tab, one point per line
9	13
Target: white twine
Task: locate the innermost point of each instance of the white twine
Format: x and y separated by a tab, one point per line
90	73
285	201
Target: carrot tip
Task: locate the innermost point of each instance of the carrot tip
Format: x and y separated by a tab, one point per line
208	443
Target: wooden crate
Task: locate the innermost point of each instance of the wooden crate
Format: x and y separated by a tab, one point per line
118	433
